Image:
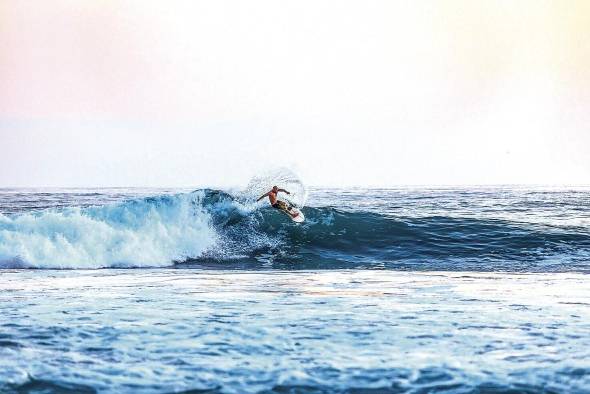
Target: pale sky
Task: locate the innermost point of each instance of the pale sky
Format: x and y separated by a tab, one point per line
346	93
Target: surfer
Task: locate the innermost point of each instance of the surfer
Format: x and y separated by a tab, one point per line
276	203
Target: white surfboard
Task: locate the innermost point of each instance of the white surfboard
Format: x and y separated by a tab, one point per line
299	218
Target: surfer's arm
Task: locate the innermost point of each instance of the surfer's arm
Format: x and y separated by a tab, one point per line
261	197
284	191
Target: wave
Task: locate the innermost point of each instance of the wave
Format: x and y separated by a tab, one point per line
145	232
213	228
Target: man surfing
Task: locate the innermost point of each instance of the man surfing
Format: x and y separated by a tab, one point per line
278	204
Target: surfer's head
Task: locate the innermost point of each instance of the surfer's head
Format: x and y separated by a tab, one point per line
275	189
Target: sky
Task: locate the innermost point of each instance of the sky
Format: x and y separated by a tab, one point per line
345	93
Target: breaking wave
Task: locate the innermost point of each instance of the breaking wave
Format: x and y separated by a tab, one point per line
211	227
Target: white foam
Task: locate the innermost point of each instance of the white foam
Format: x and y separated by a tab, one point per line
142	233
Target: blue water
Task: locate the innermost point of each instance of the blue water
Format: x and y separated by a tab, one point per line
412	290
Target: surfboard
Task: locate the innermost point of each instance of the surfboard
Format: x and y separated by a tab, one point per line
297	219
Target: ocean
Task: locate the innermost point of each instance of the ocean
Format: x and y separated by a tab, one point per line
401	290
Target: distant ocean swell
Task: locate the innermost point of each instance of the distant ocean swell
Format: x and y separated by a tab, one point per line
210	227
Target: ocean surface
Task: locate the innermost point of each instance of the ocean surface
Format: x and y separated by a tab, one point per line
405	290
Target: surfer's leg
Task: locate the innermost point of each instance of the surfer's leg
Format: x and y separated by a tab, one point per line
291	212
287	208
